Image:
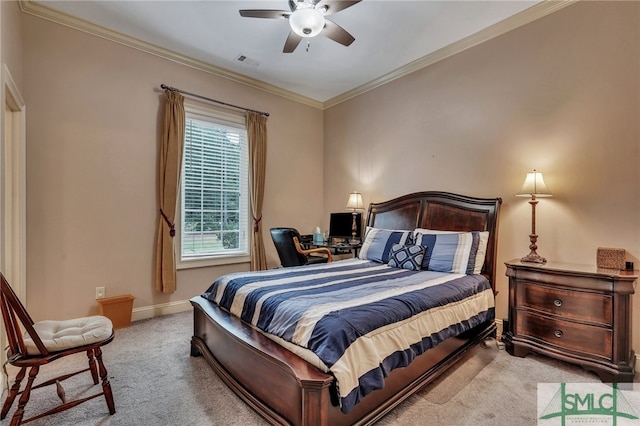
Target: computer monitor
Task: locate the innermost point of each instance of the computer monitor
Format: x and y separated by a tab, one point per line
340	225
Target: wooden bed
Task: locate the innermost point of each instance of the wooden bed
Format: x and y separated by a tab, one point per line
284	388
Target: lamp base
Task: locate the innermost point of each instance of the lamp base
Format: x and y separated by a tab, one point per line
533	257
354	228
353	240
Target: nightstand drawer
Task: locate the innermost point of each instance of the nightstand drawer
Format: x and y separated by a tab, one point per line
587	339
576	305
577	313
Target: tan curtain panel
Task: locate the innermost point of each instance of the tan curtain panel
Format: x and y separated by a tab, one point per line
257	134
169	184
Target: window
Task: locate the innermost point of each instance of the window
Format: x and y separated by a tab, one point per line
214	225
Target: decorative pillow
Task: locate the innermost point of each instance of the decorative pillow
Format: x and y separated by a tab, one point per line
378	242
406	257
482	244
457	252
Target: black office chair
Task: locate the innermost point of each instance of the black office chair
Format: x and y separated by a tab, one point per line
287	242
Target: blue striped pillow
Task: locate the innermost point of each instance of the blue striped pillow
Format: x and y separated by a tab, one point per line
460	253
378	242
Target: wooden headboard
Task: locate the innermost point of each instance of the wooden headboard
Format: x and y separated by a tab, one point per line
442	211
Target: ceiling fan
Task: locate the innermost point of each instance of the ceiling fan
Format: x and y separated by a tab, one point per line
307	19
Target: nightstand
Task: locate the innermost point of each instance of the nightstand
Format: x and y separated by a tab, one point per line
575	313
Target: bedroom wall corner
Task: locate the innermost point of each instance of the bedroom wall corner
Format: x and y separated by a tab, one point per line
560	94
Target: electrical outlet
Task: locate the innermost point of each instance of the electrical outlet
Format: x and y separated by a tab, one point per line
101	292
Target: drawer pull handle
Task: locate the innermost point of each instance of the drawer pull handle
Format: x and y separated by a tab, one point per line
557	302
558	333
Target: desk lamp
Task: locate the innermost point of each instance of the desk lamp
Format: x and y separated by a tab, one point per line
354	203
534	187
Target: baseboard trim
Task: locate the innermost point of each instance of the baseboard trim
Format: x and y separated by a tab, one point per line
153	311
499	328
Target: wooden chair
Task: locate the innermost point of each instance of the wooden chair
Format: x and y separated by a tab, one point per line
44	342
291	253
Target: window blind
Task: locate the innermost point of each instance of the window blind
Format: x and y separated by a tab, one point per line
214	189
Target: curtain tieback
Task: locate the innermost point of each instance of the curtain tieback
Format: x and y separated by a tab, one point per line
256	224
172	226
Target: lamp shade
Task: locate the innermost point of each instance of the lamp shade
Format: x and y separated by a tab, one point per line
534	185
306	22
355	201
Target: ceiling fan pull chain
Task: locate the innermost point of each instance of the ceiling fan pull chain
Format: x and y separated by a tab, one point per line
308	44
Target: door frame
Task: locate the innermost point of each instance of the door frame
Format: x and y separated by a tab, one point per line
13	205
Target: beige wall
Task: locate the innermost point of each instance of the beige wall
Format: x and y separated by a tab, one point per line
91	156
561	94
11	39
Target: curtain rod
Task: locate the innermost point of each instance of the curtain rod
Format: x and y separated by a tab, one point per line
173	89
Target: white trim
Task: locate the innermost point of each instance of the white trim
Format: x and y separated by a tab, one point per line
203	262
153	311
531	14
499	331
13	210
213	116
14	161
37	9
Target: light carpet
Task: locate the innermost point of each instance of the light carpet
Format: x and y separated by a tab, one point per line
156	382
457	377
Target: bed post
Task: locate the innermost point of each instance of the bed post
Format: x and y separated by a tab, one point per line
315	400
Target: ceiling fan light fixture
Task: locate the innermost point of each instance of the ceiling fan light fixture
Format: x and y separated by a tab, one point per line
306	22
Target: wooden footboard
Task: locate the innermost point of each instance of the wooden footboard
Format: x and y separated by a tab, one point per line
285	389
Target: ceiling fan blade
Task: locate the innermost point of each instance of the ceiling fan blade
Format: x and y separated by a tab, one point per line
293	40
336	33
333	6
262	13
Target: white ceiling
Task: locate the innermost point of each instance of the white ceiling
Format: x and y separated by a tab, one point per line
389	36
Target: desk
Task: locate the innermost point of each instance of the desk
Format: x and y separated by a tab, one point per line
338	248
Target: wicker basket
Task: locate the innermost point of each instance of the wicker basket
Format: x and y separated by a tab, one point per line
611	258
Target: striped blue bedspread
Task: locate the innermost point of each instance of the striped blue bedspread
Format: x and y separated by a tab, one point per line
362	319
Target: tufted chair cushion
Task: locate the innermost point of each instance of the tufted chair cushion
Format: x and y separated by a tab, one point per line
60	335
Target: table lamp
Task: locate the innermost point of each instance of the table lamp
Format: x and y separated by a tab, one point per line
354	203
534	187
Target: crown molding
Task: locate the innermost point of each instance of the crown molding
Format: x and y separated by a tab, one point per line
40	11
526	16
